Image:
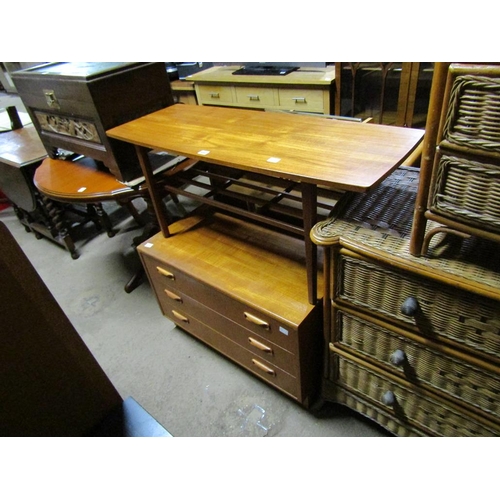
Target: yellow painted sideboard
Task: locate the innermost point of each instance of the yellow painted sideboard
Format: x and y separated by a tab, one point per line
306	89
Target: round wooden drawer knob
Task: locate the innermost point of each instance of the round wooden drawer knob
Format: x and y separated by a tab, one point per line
410	307
388	398
398	357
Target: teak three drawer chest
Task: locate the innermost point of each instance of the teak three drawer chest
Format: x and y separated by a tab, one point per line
241	289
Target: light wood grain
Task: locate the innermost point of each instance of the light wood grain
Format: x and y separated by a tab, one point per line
21	147
306	76
344	155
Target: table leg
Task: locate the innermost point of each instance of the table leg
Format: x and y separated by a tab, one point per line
309	208
154	193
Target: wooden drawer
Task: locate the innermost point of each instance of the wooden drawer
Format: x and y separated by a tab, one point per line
431	309
258	97
302	99
256	321
426	365
407	403
258	365
215	94
173	300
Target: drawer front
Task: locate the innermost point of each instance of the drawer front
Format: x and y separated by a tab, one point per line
255	96
417	363
173	300
467	191
258	322
433	310
302	99
409	405
472	118
215	94
258	365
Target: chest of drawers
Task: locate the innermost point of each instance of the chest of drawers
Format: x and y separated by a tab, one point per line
412	343
308	90
240	288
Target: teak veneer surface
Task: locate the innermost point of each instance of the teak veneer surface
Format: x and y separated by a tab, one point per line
341	154
249	263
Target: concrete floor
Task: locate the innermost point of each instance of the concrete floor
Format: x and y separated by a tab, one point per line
189	388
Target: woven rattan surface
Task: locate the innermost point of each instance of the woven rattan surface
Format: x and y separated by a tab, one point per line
470	321
411	408
473	116
382	219
467	191
422	365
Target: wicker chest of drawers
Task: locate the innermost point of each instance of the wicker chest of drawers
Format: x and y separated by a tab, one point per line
412	343
241	289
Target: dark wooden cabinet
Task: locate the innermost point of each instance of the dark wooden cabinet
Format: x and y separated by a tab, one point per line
73	104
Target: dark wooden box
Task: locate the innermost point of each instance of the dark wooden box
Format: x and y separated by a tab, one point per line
73	104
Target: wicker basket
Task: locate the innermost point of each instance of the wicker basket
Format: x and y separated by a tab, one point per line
422	365
473	117
412	409
467	191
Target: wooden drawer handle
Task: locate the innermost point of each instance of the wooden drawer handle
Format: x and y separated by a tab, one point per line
410	307
214	95
254	97
263	367
180	317
256	321
388	398
259	345
173	296
398	357
166	273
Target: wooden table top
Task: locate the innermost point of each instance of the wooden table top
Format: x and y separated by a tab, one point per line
341	154
78	182
21	147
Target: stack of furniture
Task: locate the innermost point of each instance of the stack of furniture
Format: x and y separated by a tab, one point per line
412	341
242	276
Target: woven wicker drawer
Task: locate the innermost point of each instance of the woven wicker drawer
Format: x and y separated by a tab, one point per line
473	115
425	365
410	406
467	191
442	313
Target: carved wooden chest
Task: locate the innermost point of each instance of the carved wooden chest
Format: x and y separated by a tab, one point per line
73	104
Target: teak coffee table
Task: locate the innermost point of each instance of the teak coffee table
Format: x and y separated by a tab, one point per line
313	151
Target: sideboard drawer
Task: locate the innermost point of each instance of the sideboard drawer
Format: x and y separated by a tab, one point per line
255	96
425	365
302	99
280	333
409	404
253	362
215	94
432	309
176	301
